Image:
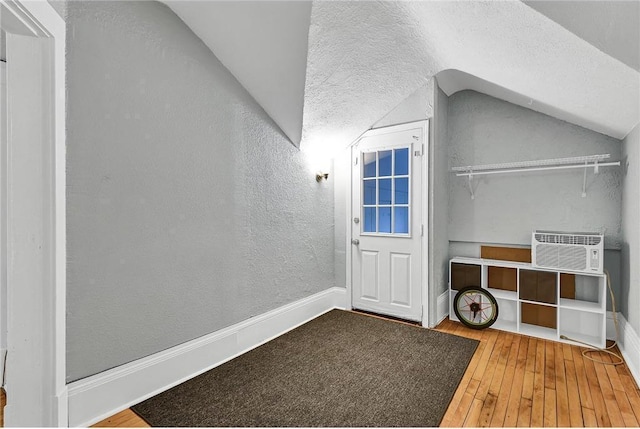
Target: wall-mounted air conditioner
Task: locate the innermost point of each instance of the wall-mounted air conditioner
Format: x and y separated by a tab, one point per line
581	252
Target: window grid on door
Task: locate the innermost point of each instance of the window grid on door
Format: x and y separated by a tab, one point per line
386	189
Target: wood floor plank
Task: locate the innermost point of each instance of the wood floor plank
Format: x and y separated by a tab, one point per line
629	384
589	417
635	406
573	395
566	352
531	357
613	374
513	405
524	416
526	401
474	414
602	417
537	404
505	392
562	398
583	382
457	417
625	408
550	366
550	417
615	416
486	375
490	402
126	418
486	355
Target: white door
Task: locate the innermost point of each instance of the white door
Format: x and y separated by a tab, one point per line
386	226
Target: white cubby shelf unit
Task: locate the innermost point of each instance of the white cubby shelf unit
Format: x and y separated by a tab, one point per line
539	302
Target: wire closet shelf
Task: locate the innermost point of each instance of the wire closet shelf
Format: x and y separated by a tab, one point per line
584	162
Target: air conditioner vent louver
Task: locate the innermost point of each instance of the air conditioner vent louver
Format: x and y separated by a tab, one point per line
589	240
564	251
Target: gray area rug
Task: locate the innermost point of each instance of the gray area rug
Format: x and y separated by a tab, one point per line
340	369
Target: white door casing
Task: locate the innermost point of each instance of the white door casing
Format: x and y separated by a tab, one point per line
387	221
33	176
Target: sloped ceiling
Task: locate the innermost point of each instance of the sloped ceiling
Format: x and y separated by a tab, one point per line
611	26
263	44
364	58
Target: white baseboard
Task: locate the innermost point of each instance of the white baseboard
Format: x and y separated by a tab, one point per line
628	343
100	396
443	306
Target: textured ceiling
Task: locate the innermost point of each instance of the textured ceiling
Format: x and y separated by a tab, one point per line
613	26
365	58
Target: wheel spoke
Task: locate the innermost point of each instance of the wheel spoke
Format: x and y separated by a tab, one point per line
465	298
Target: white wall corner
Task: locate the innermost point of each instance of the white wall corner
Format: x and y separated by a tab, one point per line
100	396
628	343
341	299
443	306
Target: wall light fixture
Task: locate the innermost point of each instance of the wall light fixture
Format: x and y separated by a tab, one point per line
320	176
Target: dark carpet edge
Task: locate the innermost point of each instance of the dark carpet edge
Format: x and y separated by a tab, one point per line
139	415
474	343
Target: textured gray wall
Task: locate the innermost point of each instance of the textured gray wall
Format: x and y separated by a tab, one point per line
630	293
439	196
341	183
485	130
187	210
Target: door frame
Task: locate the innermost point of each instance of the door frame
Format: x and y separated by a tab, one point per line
38	19
424	186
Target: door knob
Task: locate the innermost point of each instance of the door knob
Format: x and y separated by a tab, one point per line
355	241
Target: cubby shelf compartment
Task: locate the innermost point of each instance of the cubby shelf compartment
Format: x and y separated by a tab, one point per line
503	294
538	302
591	307
538	331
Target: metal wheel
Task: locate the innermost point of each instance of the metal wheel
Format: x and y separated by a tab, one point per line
475	307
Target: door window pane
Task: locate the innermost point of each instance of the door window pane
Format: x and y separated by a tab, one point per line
401	220
369	161
384	214
401	162
385	163
369	192
385	188
402	191
369	221
385	191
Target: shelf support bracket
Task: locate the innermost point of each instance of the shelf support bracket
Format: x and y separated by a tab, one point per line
470	182
584	181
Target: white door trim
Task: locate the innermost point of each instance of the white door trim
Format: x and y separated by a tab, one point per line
45	318
424	125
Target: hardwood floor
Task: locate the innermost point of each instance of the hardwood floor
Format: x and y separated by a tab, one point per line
514	380
126	418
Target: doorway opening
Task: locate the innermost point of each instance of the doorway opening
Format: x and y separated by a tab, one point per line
387	234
